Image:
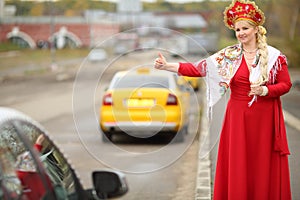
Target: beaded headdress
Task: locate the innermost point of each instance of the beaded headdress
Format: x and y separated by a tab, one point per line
241	9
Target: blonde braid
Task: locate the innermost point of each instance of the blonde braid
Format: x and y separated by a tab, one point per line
263	53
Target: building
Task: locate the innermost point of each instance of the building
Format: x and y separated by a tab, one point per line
40	32
92	28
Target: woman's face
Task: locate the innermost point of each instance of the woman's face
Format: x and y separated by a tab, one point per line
245	32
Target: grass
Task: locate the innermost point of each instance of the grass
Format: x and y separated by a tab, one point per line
6	46
38	57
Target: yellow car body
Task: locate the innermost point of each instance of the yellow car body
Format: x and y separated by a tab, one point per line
193	81
144	101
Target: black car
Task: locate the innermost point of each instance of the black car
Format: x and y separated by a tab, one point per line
32	167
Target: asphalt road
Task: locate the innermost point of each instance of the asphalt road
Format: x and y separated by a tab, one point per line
67	102
291	104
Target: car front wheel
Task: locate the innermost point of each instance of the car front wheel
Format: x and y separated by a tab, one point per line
107	137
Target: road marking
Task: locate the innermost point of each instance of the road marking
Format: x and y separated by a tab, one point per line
291	120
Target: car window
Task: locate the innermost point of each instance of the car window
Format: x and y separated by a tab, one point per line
141	81
20	166
10	184
56	175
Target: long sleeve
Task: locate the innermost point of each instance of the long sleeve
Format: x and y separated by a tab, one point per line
193	70
282	82
38	147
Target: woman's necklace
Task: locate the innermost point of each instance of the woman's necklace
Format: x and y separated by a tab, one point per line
250	52
250	56
251	60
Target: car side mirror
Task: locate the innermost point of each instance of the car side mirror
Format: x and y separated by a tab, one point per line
109	184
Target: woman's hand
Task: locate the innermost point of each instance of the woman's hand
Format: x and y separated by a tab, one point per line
258	90
162	64
40	139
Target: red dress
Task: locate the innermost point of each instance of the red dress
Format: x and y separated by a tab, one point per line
34	188
250	165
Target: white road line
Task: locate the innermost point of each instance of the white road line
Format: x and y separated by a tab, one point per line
291	120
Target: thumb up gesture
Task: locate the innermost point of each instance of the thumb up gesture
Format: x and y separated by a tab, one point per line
160	62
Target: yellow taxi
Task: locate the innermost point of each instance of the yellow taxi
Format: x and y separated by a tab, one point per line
193	81
143	102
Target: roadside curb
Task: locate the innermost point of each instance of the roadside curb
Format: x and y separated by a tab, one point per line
203	181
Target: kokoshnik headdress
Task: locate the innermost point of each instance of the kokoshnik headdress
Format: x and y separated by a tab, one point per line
243	10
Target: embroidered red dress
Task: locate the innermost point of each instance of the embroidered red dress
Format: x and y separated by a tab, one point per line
253	153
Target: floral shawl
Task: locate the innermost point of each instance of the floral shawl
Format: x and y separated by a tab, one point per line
221	68
223	65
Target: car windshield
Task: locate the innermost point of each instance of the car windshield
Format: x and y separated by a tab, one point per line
141	81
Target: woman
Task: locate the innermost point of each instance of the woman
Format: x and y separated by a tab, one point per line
253	152
34	188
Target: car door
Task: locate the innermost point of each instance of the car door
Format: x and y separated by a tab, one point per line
32	167
33	161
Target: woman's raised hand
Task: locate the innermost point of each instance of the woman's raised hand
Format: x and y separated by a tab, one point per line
160	62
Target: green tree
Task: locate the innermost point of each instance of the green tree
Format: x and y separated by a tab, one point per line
282	22
37	9
23	7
